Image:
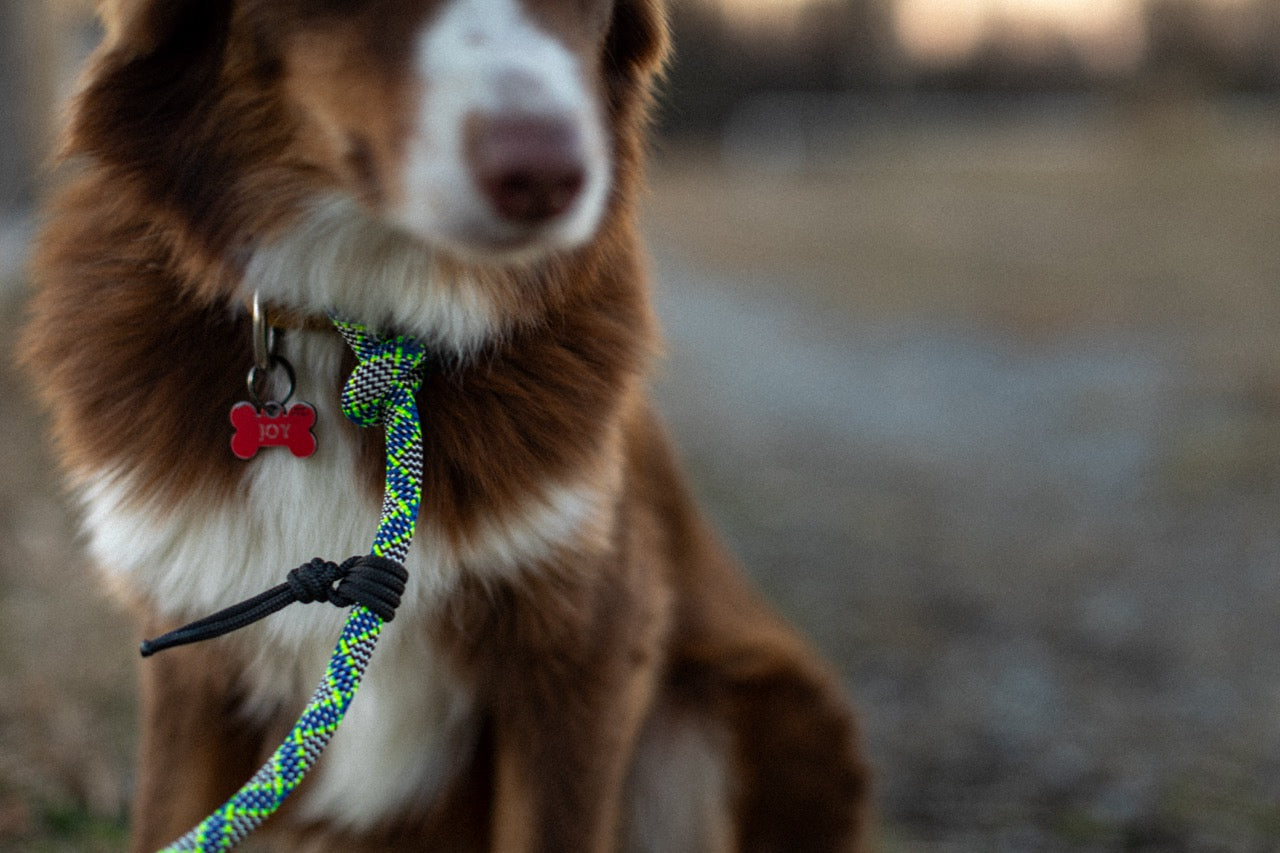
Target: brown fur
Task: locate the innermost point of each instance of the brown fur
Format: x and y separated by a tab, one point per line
187	148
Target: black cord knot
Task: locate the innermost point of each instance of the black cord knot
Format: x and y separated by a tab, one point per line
314	581
373	582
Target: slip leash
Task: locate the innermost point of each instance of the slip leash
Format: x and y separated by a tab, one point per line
381	390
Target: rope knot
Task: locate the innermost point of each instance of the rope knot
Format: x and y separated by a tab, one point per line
386	371
314	581
376	583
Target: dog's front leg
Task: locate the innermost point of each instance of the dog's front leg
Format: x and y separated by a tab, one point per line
569	668
563	746
193	754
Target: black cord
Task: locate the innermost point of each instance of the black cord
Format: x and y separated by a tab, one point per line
374	582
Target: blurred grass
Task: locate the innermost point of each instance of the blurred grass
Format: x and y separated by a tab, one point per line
1117	216
1129	219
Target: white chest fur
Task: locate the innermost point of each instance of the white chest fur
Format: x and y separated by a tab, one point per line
410	716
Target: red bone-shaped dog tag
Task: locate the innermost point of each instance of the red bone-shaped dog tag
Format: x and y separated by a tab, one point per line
273	426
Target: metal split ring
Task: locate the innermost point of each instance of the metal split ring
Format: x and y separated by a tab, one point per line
262	376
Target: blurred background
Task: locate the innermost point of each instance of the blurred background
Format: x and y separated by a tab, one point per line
972	312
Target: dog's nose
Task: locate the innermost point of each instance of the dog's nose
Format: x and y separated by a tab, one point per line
530	168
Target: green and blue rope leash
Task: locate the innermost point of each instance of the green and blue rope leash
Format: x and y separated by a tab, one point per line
381	390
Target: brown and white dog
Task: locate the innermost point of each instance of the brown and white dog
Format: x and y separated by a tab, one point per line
578	664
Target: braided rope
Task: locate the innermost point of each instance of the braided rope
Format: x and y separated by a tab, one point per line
380	390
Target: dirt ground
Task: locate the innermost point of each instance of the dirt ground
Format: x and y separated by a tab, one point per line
992	406
989	404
